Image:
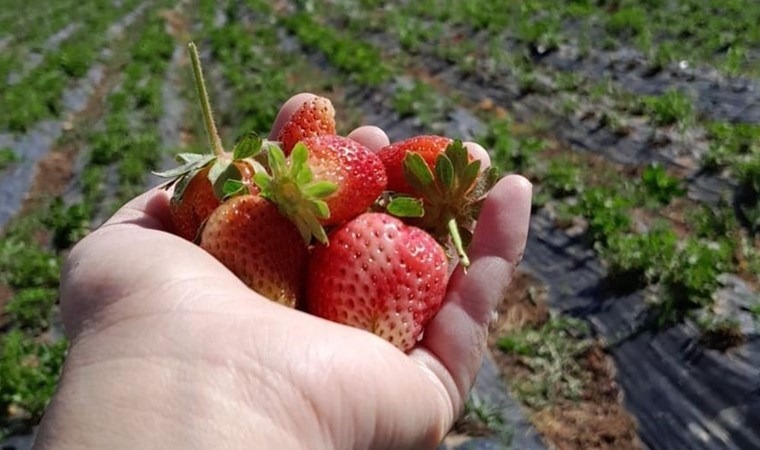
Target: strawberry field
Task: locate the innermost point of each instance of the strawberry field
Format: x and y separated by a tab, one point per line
634	319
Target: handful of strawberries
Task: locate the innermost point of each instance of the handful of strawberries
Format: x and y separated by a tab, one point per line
318	221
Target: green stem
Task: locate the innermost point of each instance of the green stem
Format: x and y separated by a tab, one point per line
213	135
456	239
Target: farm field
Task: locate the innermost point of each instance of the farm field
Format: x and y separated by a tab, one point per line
634	319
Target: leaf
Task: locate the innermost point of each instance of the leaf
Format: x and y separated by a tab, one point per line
469	176
459	155
186	168
444	171
247	147
232	188
320	189
417	173
231	172
191	157
403	206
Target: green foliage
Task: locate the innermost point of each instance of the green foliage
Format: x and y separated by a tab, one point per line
628	21
25	264
420	101
69	223
508	152
672	107
692	277
645	255
29	372
606	211
8	157
657	184
361	60
550	353
30	308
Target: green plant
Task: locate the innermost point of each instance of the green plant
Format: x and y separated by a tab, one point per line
656	183
8	157
24	264
30	308
29	372
672	107
551	354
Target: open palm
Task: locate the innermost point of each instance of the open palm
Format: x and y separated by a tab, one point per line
170	350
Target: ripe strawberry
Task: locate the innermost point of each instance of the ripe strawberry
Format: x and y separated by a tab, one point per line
429	147
315	117
442	175
380	275
259	245
355	175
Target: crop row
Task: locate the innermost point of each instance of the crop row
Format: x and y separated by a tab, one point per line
124	148
609	205
39	94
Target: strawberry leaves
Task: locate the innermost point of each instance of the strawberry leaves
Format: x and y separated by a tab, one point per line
291	186
451	193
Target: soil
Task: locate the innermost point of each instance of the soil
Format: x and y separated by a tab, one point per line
598	420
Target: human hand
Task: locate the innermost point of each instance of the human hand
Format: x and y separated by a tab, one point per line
170	350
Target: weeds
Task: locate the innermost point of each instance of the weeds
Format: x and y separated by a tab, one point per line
550	353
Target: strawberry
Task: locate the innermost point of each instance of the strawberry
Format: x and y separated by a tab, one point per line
259	245
442	175
428	147
355	174
315	117
380	275
199	181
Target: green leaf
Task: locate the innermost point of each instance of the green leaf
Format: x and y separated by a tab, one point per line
232	188
469	176
277	162
263	181
192	157
458	154
247	147
444	171
320	189
405	207
417	172
230	172
186	168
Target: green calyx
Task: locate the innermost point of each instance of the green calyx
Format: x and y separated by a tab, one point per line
452	194
291	186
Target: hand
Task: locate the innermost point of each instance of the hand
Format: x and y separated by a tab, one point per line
170	350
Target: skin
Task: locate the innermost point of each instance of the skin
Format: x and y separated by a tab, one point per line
170	350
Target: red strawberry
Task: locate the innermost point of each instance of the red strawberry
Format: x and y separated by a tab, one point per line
259	245
355	169
190	206
315	117
429	147
380	275
345	175
443	175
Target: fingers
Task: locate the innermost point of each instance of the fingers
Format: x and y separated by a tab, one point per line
454	341
371	137
148	210
478	152
287	110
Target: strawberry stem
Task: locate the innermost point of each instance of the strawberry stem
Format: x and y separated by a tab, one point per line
456	239
208	118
